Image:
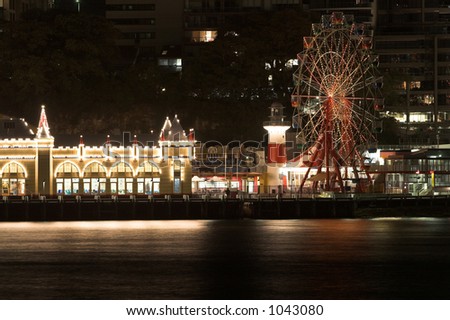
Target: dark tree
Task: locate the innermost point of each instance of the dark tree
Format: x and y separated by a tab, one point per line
69	63
250	58
391	132
246	68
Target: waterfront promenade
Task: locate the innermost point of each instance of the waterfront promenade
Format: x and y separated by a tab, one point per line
132	207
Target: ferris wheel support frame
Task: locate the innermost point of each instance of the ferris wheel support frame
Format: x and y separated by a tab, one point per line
324	152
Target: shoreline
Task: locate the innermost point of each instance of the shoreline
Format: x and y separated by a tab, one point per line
406	212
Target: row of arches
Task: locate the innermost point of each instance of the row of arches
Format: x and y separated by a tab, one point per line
95	178
97	169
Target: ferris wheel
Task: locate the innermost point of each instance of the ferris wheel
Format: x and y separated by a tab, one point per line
336	100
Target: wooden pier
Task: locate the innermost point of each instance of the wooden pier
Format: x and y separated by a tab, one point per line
131	207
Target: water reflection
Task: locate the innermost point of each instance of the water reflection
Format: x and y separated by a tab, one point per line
246	259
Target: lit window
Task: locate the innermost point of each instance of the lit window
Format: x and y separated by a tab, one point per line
291	63
148	167
67	167
121	167
420	117
428	99
414	85
202	36
13	168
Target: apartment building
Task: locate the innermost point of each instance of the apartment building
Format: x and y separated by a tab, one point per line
203	18
146	26
413	42
13	9
362	10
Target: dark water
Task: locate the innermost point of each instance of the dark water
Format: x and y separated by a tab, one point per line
246	259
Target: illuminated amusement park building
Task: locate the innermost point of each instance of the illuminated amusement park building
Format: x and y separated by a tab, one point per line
31	164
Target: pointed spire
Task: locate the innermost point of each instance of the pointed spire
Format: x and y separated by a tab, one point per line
108	139
191	136
177	132
135	141
81	139
43	130
167	125
165	130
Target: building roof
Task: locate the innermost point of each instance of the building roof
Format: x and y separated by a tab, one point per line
172	130
14	128
418	154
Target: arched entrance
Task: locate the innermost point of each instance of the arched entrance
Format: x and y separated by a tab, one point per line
13	179
94	178
67	178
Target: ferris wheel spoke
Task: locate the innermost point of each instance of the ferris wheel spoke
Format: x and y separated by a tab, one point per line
314	80
354	78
